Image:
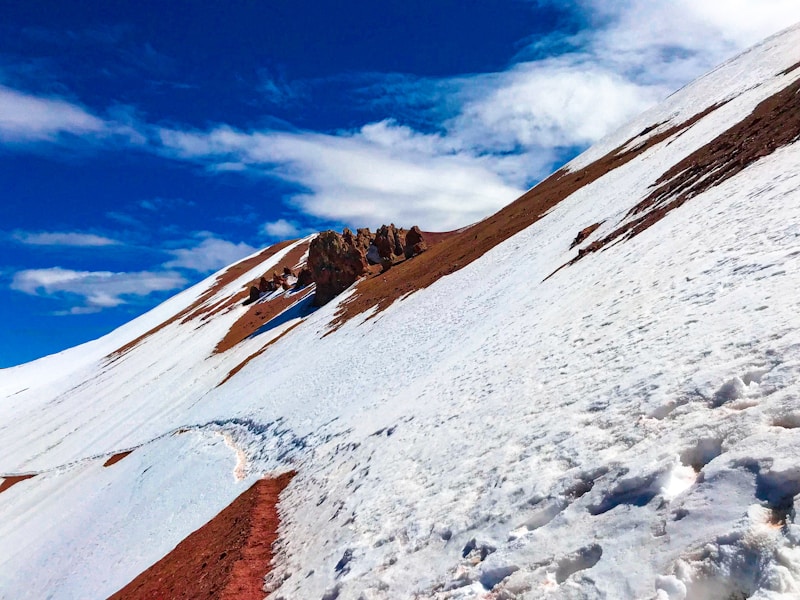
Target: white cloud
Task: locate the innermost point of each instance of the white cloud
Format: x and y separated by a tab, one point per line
383	172
281	229
97	289
26	119
495	133
209	255
63	239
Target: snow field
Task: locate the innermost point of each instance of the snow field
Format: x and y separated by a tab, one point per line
624	429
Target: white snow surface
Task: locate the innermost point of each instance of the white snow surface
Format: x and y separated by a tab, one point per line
628	428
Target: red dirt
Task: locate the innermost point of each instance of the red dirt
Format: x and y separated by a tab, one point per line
774	123
258	352
461	248
226	559
11	480
260	313
116	458
197	309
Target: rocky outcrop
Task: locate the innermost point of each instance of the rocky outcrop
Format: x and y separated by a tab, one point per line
415	243
583	234
305	277
336	261
395	245
254	295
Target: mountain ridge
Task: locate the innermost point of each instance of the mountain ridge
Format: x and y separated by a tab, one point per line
501	429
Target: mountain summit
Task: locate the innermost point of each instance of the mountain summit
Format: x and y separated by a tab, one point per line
591	394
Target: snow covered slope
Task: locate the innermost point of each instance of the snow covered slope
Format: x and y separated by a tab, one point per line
618	419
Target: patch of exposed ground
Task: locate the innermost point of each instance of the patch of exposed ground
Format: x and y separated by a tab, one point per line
226	559
260	313
458	249
116	458
198	308
11	480
258	352
773	124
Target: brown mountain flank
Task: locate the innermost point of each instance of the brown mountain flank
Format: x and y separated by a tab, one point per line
112	460
774	123
12	480
226	559
456	250
260	313
198	308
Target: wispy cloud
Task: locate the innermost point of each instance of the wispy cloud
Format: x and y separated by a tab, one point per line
281	229
28	119
484	137
92	291
25	118
382	172
210	254
63	239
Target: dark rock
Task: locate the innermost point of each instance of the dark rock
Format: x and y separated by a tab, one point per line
287	272
305	277
255	294
414	243
336	262
264	286
390	243
583	234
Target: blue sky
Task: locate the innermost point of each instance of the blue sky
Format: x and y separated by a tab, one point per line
144	145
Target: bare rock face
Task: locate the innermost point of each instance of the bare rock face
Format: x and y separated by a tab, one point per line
390	243
393	245
336	262
415	244
305	277
264	286
255	294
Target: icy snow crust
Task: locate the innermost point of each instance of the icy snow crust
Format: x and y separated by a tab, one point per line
628	428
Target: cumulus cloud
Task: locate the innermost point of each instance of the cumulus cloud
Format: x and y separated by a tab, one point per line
209	255
95	289
63	239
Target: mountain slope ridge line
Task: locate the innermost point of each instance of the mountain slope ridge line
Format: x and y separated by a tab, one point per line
469	244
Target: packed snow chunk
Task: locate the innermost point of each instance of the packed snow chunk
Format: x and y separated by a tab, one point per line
679	479
580	560
669	587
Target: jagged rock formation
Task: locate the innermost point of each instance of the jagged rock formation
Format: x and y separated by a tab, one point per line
254	295
305	277
336	261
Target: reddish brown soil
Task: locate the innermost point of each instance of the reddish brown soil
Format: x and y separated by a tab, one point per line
11	480
116	458
260	313
583	234
461	248
259	352
226	559
774	123
197	309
